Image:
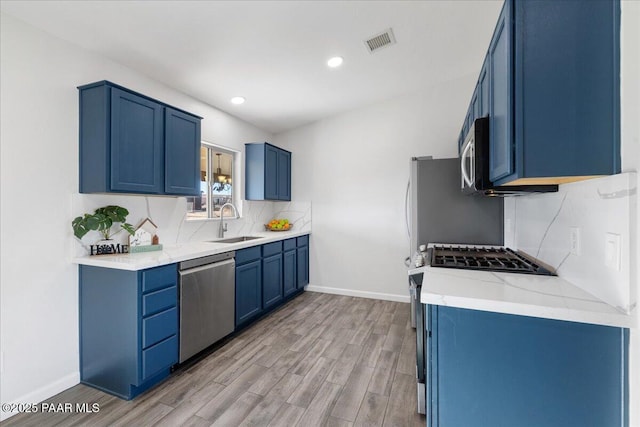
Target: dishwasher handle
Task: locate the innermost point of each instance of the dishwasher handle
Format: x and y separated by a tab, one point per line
206	266
206	260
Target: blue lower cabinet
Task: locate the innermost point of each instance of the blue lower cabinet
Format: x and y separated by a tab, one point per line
248	291
128	328
272	292
302	261
289	272
491	369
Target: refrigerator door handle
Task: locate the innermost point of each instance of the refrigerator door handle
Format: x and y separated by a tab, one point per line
406	209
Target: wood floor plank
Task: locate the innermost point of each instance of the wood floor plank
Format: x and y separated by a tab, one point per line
315	352
187	408
263	412
353	392
337	422
213	409
395	336
320	409
287	416
345	364
305	392
238	411
384	372
372	349
144	416
195	421
402	405
372	410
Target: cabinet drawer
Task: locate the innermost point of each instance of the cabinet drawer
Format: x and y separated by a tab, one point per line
159	277
247	255
159	300
160	356
289	244
303	241
271	249
159	326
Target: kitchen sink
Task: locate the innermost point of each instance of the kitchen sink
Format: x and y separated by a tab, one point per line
235	239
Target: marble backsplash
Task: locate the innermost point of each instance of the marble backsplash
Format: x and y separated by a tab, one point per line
541	225
169	214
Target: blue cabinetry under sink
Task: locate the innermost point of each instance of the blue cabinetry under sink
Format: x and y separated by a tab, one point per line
268	275
552	79
130	143
128	328
492	369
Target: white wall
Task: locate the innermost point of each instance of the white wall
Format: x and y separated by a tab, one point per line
630	135
39	175
355	168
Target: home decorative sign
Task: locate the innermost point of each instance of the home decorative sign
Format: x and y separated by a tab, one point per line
108	247
144	239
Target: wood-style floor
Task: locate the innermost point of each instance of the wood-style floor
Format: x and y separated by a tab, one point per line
320	360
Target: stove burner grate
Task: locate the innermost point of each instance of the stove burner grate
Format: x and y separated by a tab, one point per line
488	259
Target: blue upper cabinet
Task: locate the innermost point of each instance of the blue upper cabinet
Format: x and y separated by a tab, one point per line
550	84
500	97
267	172
182	156
130	143
567	89
136	143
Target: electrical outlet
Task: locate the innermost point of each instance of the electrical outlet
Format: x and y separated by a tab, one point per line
574	240
612	251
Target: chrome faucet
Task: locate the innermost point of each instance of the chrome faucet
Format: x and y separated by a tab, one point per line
223	227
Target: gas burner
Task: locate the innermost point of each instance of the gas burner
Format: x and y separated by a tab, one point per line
483	258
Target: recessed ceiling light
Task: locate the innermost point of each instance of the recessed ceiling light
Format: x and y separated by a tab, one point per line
334	62
237	100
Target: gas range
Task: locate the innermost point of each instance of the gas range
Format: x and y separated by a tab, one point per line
487	258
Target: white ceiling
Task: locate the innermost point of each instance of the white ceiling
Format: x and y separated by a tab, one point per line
274	53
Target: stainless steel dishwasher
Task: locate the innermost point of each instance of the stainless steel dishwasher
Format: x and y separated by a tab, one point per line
207	302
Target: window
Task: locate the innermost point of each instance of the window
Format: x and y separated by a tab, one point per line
216	183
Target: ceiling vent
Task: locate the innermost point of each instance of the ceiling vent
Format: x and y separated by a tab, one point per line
381	40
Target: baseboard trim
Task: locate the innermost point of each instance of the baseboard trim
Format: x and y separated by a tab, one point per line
44	393
361	294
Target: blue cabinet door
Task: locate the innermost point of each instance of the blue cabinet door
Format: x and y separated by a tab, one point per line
248	291
495	369
137	156
289	272
182	153
501	97
272	292
270	172
567	105
284	175
483	89
302	266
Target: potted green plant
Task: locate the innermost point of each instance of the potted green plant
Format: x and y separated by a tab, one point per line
102	221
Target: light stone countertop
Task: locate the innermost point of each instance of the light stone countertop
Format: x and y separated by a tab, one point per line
548	297
181	252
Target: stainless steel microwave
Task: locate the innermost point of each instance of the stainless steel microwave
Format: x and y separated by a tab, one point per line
474	166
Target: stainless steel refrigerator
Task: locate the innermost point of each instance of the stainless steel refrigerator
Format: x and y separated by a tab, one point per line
438	212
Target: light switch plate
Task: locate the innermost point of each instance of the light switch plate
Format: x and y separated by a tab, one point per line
612	251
